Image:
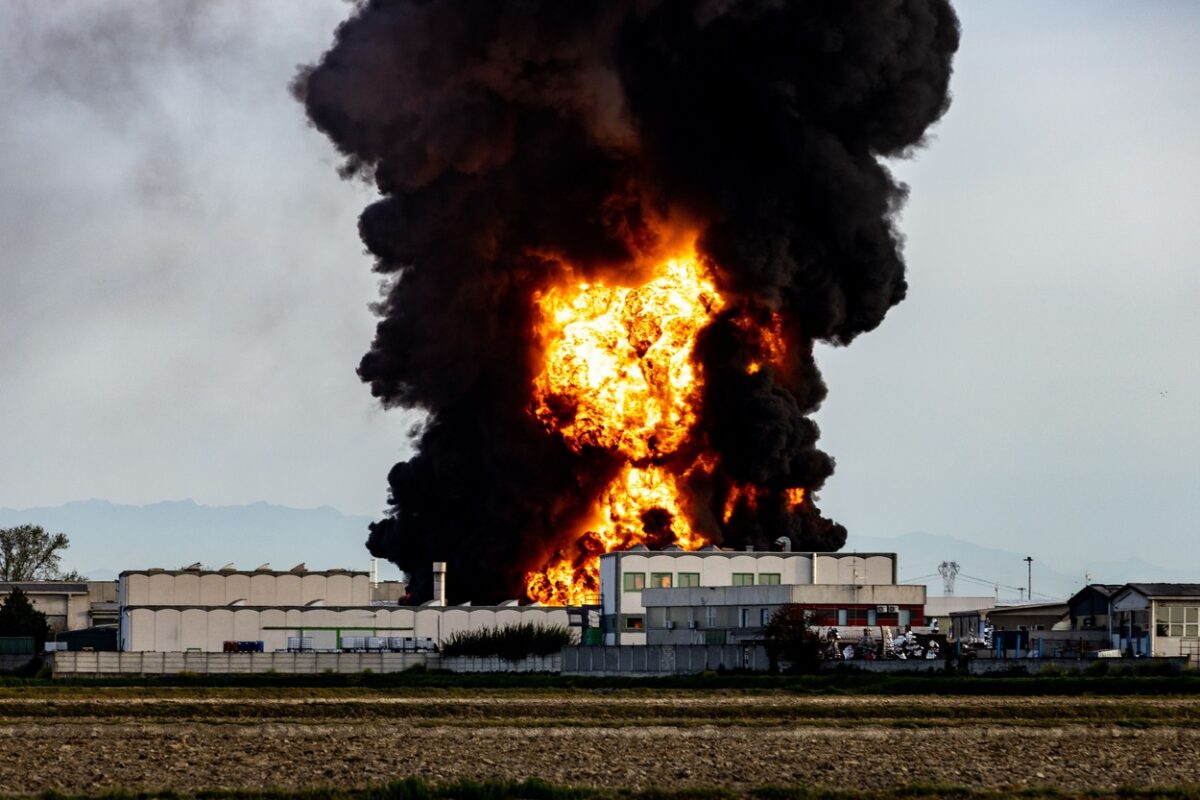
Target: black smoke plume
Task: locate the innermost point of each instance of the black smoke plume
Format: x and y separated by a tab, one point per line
508	136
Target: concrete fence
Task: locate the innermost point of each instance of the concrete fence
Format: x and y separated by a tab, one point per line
662	659
626	660
144	663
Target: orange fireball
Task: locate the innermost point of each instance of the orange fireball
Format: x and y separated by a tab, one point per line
617	374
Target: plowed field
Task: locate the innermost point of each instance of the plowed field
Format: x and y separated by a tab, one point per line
89	740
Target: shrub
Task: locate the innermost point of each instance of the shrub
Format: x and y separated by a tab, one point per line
790	640
511	642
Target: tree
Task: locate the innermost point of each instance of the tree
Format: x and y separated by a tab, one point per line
30	553
791	641
19	618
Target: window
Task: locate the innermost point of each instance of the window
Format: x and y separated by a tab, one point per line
768	579
871	616
689	579
1177	621
660	580
710	616
745	618
635	623
743	579
843	617
764	616
635	581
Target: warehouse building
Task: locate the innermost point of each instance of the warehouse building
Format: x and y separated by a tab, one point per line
196	610
626	576
69	605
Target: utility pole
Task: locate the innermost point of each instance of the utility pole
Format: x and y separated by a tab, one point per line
948	571
1029	579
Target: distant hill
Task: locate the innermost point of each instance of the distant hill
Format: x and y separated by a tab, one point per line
981	568
107	538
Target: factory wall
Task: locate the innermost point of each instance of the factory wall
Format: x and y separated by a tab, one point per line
167	629
259	588
625	575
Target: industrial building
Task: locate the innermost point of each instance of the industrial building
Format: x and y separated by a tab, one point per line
69	605
628	578
717	615
197	610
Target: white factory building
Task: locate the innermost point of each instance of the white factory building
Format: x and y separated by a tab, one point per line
643	590
709	596
196	610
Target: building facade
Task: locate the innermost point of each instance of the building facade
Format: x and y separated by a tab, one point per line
626	575
205	610
69	605
1157	619
718	615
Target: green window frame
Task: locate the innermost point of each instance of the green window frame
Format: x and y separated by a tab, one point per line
635	622
635	581
768	578
660	580
743	579
688	579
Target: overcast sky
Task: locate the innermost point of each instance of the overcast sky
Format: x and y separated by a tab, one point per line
183	296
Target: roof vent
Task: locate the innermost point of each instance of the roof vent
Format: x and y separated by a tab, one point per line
191	567
263	567
299	569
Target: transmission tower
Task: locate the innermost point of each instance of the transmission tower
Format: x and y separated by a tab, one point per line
949	571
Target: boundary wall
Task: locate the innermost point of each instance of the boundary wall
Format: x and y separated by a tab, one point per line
662	659
623	660
83	663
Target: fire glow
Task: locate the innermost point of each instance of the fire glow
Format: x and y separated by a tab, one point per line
618	375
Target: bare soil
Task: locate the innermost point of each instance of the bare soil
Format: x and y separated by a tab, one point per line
514	736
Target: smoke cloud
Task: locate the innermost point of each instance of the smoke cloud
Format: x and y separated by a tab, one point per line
507	137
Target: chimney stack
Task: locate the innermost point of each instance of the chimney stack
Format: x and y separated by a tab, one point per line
439	583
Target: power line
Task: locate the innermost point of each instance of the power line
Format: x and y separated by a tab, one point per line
920	578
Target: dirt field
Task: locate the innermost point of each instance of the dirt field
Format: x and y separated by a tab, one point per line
193	739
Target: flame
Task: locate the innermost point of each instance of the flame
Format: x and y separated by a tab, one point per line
794	497
620	359
617	374
767	340
745	493
749	495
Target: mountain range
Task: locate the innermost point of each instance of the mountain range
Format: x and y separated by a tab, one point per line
107	538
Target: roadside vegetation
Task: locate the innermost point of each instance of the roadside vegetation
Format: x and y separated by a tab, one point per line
511	642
